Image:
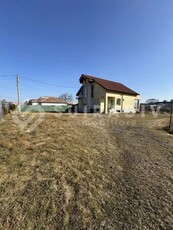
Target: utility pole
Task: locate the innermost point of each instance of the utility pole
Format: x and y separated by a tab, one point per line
18	92
171	118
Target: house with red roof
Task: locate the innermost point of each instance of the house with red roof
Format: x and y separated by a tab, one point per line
105	96
48	101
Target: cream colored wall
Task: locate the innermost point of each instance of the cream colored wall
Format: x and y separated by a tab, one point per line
128	101
102	105
99	96
116	96
99	92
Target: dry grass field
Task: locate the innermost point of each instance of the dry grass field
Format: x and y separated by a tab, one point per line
87	173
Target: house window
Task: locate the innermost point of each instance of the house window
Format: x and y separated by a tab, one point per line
136	104
92	90
118	101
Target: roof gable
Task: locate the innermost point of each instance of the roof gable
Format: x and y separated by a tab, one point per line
109	85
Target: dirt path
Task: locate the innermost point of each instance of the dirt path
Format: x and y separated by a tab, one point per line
145	184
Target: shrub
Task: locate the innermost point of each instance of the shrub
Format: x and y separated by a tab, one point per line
4	107
12	107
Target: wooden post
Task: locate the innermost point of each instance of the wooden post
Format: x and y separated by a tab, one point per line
18	93
170	124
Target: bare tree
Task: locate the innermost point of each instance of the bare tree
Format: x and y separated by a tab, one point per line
67	97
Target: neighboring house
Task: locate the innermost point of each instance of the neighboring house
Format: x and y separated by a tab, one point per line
55	101
104	96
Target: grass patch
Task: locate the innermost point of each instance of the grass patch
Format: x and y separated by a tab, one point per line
86	173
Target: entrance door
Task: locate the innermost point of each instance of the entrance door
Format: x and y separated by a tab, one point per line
111	103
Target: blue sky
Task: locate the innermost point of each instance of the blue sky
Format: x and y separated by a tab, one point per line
55	41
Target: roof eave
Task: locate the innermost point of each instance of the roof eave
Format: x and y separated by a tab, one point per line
122	92
107	89
81	78
79	90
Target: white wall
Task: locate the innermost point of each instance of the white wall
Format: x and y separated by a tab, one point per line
49	104
55	104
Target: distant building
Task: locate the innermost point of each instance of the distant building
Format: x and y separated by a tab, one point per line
45	100
152	101
153	104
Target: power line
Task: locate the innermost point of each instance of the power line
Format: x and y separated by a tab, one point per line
40	82
47	83
5	79
8	75
4	87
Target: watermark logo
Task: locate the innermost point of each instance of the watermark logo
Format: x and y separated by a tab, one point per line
29	120
34	116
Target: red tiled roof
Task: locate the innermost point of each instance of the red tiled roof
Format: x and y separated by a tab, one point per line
108	85
50	100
